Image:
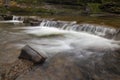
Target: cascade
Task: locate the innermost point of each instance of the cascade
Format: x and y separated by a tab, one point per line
72	49
102	31
15	18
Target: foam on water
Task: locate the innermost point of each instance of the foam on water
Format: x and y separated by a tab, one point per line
67	40
99	30
45	31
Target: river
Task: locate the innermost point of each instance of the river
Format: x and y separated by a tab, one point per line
55	37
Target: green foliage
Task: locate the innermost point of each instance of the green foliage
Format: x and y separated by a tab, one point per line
73	2
19	10
108	1
94	7
29	1
111	7
34	6
3	10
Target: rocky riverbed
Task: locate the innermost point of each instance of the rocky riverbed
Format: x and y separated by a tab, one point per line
72	55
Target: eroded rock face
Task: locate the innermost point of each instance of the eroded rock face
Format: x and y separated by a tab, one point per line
77	66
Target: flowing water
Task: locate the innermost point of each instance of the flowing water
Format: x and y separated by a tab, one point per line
15	20
62	35
54	37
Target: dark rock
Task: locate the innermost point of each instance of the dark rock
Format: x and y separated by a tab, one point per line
26	20
1	18
34	23
30	54
7	17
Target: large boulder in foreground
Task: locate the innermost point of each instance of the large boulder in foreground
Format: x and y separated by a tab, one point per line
78	65
31	54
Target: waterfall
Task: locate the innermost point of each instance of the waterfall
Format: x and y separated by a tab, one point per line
71	48
15	18
102	31
56	36
53	40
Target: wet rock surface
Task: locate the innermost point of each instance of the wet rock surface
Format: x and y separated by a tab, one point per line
69	65
29	53
74	66
12	71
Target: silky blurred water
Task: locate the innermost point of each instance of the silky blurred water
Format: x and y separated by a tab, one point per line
48	39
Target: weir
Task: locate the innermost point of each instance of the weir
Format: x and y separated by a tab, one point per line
69	32
102	31
74	51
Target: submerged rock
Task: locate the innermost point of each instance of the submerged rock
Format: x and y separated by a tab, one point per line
80	65
34	23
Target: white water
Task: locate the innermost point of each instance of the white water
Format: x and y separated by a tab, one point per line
53	37
14	20
90	28
53	40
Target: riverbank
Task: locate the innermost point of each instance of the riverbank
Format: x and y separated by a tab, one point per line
94	9
107	20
